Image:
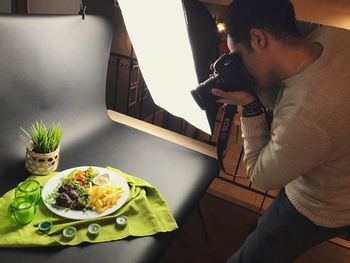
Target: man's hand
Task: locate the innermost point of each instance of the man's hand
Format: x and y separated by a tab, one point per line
233	97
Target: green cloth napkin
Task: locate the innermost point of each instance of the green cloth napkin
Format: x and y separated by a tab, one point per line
147	211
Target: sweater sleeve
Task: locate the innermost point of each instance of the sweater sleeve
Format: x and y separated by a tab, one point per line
292	148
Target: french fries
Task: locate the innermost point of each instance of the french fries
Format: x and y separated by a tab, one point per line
102	197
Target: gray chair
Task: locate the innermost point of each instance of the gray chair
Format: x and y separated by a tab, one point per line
53	68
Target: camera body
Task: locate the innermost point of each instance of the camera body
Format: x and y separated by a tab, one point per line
229	75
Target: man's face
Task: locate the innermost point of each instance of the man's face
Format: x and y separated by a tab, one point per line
257	63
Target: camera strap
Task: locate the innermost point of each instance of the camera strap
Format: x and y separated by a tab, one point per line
224	134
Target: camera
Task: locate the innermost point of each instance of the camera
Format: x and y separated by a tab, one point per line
229	75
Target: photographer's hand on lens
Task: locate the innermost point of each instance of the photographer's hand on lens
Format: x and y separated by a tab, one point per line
233	97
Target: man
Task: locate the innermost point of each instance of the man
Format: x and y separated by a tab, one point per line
306	153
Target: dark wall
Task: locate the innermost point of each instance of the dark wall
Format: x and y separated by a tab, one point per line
121	41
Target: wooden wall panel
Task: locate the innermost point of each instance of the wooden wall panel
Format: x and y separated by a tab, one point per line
327	12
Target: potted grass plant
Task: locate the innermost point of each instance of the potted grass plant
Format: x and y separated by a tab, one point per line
42	143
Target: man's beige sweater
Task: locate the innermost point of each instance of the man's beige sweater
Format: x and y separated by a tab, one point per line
308	147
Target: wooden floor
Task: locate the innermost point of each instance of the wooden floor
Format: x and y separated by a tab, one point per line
227	225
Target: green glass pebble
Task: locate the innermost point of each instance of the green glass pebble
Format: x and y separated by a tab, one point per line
69	232
94	229
45	226
121	221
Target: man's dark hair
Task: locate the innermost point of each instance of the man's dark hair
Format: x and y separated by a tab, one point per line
275	16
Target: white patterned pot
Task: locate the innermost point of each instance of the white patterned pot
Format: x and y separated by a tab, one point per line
42	163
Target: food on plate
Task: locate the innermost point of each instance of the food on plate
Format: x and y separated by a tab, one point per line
102	179
102	197
83	190
63	200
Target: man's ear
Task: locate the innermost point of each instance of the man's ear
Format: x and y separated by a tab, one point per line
258	39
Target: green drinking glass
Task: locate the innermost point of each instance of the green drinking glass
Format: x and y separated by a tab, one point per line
21	211
30	189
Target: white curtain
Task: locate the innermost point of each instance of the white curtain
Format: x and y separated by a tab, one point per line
158	32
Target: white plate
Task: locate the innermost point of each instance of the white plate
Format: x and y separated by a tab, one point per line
115	179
